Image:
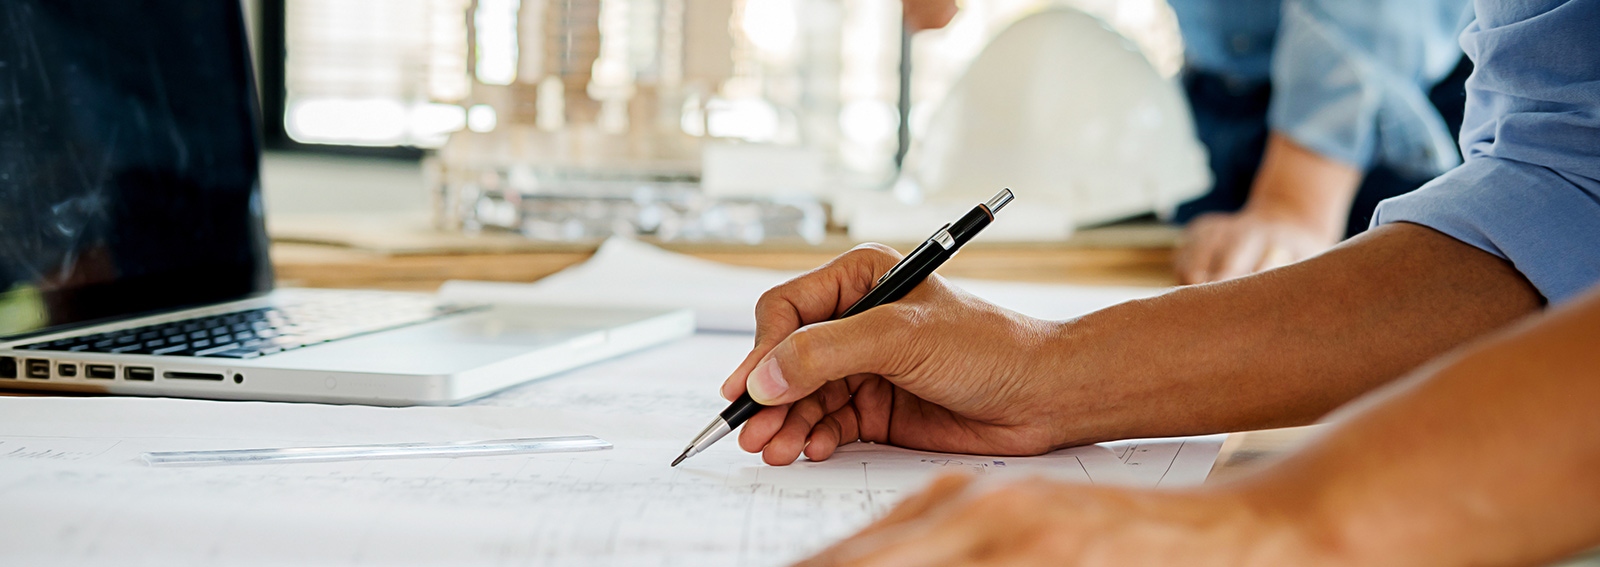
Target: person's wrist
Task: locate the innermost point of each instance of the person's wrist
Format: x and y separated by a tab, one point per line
1317	219
1083	382
1298	185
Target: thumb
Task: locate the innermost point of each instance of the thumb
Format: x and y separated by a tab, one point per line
814	355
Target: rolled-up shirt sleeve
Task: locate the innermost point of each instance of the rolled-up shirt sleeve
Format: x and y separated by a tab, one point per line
1529	191
1350	80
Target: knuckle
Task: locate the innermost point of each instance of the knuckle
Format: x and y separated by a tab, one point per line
834	395
808	411
770	296
871	254
831	425
778	296
875	250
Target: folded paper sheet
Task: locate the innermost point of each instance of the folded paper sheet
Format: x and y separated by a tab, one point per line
723	297
75	492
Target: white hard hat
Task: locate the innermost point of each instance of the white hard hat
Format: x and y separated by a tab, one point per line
1068	114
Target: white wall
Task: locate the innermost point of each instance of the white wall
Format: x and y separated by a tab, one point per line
294	183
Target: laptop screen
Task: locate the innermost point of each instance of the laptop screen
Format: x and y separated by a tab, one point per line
129	161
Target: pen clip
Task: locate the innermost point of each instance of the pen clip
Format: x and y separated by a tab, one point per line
942	236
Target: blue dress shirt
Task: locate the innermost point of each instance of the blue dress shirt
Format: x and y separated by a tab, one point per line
1529	191
1349	77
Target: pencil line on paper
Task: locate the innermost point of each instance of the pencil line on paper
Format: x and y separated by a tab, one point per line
1085	469
1170	463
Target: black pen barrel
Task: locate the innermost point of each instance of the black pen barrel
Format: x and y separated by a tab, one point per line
899	281
910	272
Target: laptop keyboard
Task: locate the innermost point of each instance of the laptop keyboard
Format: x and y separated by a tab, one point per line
268	330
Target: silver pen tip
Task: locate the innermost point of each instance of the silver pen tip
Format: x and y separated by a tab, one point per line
1000	200
680	459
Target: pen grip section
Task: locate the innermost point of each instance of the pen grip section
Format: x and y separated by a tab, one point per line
740	410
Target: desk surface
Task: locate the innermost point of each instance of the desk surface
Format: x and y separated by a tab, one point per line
311	265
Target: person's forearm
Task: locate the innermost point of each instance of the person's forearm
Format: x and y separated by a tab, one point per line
1282	347
1488	458
1297	183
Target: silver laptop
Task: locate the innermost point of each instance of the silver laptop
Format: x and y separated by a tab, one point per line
133	256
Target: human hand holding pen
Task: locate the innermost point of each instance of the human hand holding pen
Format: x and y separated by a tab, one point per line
939	370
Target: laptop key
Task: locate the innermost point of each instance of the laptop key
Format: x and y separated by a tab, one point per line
174	349
287	342
236	353
215	349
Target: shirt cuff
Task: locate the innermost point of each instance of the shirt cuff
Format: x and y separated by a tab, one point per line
1546	225
1322	96
1350	81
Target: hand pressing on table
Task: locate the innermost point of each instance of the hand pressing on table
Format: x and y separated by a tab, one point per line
1297	208
960	521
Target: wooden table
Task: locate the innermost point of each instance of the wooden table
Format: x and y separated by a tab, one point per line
310	265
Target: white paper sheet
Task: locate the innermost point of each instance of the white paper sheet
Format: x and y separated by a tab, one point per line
723	297
74	492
